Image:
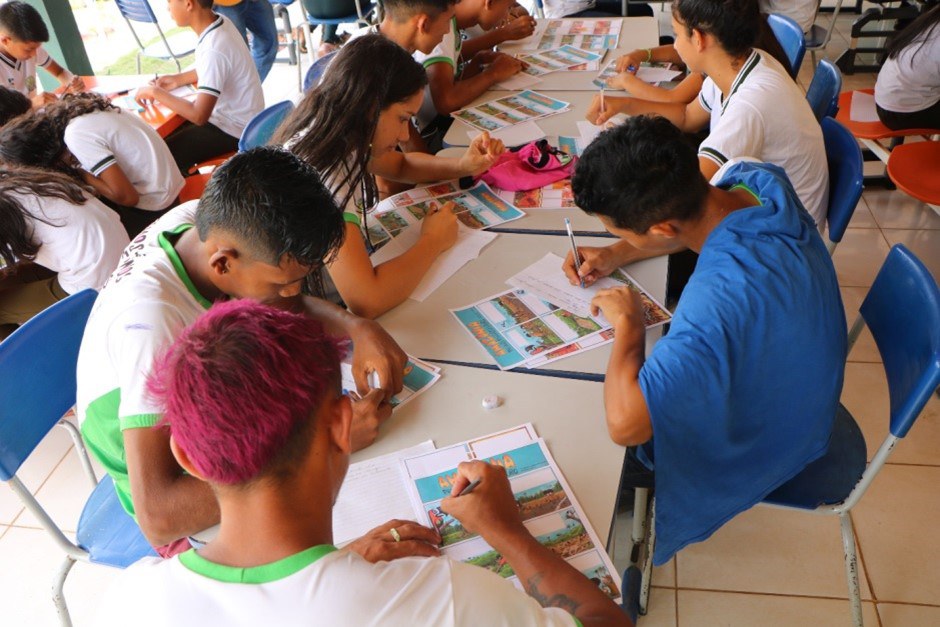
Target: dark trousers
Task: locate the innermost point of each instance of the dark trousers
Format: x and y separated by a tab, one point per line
928	118
191	144
134	220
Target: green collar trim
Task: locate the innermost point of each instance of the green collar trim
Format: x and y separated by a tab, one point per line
748	190
178	264
265	573
748	67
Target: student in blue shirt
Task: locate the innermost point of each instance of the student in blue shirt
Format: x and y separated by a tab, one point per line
742	392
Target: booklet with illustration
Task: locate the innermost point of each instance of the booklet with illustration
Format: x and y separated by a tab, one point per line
419	376
655	72
556	59
547	505
584	34
508	110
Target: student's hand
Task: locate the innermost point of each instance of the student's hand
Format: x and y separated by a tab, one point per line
596	262
369	412
623	81
75	86
631	61
440	227
504	66
374	350
42	99
612	106
519	27
490	509
147	95
482	153
380	545
167	82
517	10
622	307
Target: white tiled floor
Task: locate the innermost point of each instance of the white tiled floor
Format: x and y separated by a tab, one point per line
763	568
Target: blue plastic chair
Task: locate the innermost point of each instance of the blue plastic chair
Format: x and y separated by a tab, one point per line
846	178
824	90
902	310
317	70
260	129
140	11
790	36
37	385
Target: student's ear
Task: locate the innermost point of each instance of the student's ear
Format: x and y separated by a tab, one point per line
699	39
223	259
183	459
422	22
341	424
667	230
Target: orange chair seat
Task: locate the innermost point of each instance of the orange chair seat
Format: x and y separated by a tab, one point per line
915	169
872	130
212	163
193	187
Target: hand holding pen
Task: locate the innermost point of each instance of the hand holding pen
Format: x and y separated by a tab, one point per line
489	507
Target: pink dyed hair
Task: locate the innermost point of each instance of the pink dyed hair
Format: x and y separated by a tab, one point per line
240	385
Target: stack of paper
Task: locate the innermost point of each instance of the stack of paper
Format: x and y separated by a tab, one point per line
522	107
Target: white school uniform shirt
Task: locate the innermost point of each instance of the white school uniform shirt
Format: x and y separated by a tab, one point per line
909	83
448	51
81	243
102	139
803	12
319	586
225	70
21	75
562	8
767	117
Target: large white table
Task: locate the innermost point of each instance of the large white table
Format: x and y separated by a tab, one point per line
568	414
429	331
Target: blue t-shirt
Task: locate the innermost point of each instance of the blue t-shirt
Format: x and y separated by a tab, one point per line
743	390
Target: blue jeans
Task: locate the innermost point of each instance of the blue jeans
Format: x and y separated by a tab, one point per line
256	17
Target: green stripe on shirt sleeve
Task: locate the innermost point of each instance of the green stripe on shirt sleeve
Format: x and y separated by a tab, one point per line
103	165
433	60
139	421
714	155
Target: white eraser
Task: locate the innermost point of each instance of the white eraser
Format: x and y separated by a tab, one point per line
492	402
374	382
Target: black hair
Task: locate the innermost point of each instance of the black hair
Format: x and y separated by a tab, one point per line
205	4
923	25
16	241
402	10
22	22
332	128
734	23
275	204
640	173
12	104
35	140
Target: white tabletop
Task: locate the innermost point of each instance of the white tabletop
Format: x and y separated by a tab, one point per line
637	32
568	414
429	331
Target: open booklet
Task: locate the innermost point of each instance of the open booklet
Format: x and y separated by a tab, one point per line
548	506
544	318
418	377
522	107
585	34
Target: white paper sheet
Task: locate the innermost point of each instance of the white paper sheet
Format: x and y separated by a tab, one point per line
656	74
373	493
515	135
589	132
518	82
863	107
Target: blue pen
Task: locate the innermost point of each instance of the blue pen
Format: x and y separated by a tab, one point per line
631	69
574	250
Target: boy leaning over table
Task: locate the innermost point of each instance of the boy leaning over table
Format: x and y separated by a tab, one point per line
741	394
275	456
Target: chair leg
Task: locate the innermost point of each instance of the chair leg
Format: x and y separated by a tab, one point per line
81	451
57	597
851	568
647	579
640	510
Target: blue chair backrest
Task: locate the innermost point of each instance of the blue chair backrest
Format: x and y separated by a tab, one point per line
37	377
902	310
791	39
846	176
137	11
824	90
332	9
316	71
260	129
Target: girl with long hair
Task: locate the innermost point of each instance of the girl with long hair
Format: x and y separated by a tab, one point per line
907	92
348	127
116	153
48	219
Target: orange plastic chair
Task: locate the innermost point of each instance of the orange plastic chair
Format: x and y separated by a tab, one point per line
193	187
211	163
915	169
871	134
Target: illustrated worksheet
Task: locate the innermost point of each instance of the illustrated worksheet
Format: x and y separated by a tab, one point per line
522	107
585	34
548	507
418	377
557	59
655	72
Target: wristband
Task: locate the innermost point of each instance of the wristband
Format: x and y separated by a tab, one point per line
649	55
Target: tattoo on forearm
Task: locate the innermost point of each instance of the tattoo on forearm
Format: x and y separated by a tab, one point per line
562	601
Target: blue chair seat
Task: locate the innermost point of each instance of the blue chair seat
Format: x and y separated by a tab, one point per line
107	532
831	478
317	69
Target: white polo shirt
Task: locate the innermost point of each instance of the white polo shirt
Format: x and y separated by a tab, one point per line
767	117
102	139
319	586
910	82
82	243
448	51
225	70
148	300
803	12
21	75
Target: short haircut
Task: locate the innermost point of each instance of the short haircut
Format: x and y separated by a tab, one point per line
12	104
22	22
640	173
205	4
275	204
402	10
734	23
240	387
